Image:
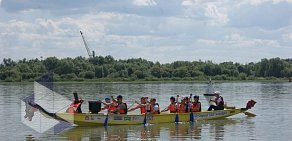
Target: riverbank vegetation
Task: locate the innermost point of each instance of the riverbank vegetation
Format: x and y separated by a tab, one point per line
107	69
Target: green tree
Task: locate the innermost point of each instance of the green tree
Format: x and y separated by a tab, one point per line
156	71
51	63
87	74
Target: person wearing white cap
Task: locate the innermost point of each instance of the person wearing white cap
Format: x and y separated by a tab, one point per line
218	101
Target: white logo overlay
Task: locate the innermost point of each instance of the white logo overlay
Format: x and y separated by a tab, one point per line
49	100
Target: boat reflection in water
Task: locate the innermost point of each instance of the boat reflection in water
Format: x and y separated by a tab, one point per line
166	131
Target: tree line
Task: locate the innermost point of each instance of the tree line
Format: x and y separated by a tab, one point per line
107	68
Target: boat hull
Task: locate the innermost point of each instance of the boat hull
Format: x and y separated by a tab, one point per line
86	119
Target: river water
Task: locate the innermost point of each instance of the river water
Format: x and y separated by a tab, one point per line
273	110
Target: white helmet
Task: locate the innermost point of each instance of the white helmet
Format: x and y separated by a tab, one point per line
217	92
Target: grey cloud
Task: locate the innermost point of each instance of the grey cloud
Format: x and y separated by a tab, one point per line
63	7
266	15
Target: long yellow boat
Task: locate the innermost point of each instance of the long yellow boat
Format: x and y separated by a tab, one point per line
88	119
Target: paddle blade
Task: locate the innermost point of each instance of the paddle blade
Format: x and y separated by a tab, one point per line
145	119
249	114
191	117
176	118
105	121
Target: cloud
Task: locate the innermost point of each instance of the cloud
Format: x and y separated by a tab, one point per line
236	40
144	2
164	30
212	12
262	13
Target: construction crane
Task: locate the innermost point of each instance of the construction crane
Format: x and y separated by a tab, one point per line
90	54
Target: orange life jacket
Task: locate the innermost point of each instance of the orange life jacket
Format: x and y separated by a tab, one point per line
143	109
172	108
73	107
122	111
196	107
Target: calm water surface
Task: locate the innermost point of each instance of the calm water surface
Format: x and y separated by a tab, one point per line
273	110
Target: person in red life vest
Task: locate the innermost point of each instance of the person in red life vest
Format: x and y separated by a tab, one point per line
172	106
218	101
141	106
154	107
109	105
196	105
121	107
75	106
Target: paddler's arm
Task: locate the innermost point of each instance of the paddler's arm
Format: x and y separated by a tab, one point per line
113	99
212	100
132	109
166	109
137	102
104	103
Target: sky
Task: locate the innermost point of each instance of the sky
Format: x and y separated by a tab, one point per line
157	30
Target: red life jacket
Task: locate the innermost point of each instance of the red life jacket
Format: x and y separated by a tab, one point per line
181	108
172	108
122	111
196	107
110	107
143	109
73	107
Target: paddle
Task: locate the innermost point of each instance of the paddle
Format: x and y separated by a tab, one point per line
106	118
249	105
250	114
176	116
145	119
191	114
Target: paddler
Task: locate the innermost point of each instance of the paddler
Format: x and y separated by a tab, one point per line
75	106
196	105
109	105
218	101
121	107
183	105
172	106
141	105
154	107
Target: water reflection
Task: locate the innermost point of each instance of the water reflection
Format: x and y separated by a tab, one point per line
166	131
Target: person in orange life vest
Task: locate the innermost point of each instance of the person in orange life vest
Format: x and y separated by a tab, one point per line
196	105
75	106
218	101
172	106
121	107
108	105
154	107
183	105
188	104
141	105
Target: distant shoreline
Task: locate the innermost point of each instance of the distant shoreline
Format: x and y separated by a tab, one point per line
108	69
160	81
